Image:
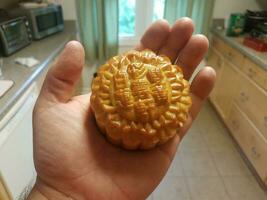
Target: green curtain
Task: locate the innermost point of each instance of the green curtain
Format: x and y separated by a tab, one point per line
199	10
98	24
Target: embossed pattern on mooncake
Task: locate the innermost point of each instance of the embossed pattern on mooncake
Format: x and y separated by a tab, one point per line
140	100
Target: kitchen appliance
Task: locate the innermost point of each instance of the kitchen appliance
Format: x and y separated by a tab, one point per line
14	35
44	20
256	27
236	24
256	21
255	43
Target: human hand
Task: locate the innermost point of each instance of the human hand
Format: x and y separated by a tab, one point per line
73	160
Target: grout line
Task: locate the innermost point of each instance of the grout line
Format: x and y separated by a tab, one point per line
185	177
214	162
188	187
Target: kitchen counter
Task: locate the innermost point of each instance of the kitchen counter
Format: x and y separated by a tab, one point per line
236	42
45	51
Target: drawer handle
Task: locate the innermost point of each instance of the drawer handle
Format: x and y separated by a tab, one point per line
254	153
243	97
219	63
252	73
235	124
265	120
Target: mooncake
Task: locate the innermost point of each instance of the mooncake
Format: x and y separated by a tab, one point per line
140	99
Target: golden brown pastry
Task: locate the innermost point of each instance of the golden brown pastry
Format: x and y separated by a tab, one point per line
140	100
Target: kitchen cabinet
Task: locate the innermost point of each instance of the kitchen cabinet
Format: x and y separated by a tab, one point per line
4	195
255	73
240	98
215	60
225	89
229	53
250	140
16	163
16	134
253	101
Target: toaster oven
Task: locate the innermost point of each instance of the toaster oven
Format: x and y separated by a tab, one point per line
14	35
43	21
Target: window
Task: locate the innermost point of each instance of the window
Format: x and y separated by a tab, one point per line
135	16
158	11
126	17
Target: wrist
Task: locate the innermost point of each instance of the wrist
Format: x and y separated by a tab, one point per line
42	191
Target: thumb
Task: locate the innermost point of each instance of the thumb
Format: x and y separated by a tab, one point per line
61	79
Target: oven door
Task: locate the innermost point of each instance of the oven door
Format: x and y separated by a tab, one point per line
14	35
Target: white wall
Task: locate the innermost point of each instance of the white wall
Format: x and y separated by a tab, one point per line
69	8
223	8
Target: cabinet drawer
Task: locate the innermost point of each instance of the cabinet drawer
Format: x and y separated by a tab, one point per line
226	89
234	57
230	54
253	101
250	140
255	72
218	44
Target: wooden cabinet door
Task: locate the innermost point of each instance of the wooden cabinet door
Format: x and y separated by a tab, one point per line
226	88
256	73
253	101
215	61
240	128
230	54
4	195
250	140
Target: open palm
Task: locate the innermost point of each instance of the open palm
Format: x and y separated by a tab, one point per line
73	160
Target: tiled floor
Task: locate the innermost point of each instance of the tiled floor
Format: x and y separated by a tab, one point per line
84	85
208	166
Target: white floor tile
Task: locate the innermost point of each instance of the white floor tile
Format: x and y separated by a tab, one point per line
176	168
208	188
230	164
245	188
198	163
193	142
172	188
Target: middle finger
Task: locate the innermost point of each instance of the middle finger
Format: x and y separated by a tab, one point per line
180	33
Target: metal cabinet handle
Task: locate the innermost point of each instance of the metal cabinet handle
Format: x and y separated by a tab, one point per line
219	62
252	73
254	152
235	124
243	97
265	120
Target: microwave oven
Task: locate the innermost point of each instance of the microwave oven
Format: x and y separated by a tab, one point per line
44	21
14	35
